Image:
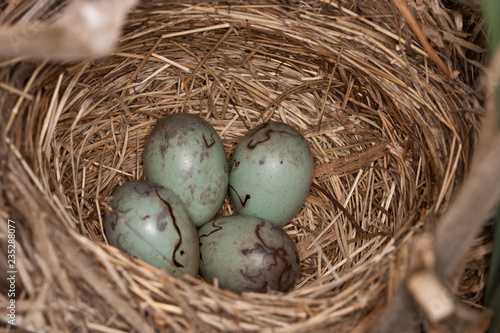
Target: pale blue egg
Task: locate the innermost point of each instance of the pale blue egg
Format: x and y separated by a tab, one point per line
246	253
271	173
185	154
150	223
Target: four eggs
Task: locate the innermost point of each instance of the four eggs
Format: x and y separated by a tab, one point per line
185	163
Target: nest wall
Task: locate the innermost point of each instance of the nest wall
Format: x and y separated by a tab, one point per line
392	137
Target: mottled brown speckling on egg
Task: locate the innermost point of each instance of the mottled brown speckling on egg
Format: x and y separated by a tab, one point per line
246	253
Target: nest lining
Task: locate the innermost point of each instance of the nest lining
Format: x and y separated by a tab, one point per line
387	129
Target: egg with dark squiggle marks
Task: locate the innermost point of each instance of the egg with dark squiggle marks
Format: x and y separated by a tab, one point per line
149	222
271	173
185	154
247	254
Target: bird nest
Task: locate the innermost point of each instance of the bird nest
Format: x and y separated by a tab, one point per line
392	127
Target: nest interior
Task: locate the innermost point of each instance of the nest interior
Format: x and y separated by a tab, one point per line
391	136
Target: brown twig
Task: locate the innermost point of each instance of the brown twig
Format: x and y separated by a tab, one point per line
402	5
351	162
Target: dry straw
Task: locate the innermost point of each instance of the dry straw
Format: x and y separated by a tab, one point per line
391	133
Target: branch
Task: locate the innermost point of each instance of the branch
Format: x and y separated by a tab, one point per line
86	29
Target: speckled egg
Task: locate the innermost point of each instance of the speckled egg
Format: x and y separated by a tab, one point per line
246	253
271	172
149	222
185	154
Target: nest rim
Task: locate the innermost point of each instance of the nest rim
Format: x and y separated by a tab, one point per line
79	111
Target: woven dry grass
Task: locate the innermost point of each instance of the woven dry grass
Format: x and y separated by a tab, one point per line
391	134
